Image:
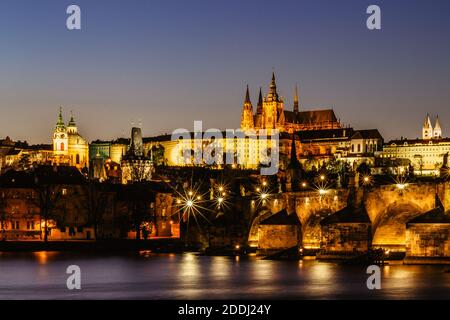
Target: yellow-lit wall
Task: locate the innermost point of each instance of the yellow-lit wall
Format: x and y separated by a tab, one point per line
424	156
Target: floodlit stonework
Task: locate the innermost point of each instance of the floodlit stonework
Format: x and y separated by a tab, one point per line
69	147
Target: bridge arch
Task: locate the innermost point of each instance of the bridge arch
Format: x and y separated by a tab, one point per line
389	229
253	238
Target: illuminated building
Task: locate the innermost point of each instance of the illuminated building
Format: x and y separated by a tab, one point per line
425	155
320	136
69	147
136	166
20	155
270	114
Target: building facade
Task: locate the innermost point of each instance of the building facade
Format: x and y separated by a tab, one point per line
69	147
426	155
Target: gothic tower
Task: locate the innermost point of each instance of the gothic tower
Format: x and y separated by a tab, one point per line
273	115
247	113
427	129
437	131
259	108
259	111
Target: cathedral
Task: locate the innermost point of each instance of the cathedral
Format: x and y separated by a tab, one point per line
69	147
270	114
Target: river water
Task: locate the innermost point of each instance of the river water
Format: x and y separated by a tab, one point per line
42	275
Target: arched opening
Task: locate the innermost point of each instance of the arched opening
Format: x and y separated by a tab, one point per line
253	231
312	230
77	159
390	227
62	146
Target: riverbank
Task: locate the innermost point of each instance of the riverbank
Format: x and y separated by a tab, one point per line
161	245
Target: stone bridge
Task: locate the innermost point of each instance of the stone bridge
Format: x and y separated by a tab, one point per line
389	209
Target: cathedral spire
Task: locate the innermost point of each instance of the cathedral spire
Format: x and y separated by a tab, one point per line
260	102
247	112
273	95
247	97
296	99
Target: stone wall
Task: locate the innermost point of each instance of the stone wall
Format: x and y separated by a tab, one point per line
390	208
428	240
278	237
346	237
311	208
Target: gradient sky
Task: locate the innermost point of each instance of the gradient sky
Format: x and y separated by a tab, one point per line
168	63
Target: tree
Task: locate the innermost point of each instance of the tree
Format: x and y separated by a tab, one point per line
363	169
24	162
96	201
47	198
137	197
157	153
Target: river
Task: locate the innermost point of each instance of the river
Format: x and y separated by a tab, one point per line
42	275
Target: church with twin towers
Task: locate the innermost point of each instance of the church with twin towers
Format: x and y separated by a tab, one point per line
430	132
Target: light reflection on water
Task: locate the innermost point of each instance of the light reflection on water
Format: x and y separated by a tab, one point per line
41	275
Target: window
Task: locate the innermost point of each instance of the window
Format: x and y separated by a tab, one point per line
62	146
359	148
77	159
64	192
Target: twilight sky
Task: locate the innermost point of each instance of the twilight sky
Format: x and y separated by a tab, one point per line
168	63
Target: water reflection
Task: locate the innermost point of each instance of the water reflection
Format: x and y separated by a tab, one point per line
42	257
41	275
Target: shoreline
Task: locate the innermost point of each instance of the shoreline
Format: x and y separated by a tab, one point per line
173	245
165	245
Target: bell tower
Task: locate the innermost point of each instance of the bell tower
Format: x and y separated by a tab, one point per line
437	131
427	129
273	114
60	137
247	113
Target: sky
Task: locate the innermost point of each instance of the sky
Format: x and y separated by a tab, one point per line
166	63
